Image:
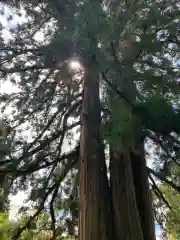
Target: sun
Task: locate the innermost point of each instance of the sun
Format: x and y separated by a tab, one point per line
74	65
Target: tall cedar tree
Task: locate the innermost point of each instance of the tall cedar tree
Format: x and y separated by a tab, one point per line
50	97
95	199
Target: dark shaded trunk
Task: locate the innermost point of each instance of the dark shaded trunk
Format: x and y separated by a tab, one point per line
143	195
95	215
4	190
126	217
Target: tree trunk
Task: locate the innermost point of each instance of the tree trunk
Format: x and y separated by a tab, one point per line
95	216
143	195
126	217
4	190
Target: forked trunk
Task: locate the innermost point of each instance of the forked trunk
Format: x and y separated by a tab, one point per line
126	217
143	195
95	217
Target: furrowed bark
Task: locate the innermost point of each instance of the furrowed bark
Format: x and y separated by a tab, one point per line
126	216
95	221
143	195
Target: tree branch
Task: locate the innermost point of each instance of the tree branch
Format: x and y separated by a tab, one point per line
160	143
34	167
16	69
20	51
46	142
117	91
21	229
53	219
158	192
163	179
55	187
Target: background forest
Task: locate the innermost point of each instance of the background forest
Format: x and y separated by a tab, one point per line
89	93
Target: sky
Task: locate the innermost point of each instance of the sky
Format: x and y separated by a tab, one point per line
16	201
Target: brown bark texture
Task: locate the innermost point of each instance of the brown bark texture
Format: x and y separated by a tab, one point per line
95	221
143	194
125	211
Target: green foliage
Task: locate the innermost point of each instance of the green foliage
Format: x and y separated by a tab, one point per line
6	228
38	230
157	114
172	217
3	219
123	129
47	101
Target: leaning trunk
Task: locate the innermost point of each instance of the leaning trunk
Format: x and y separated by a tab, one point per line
126	217
143	195
95	221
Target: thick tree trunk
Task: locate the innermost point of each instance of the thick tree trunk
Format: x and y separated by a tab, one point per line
143	195
126	217
95	215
